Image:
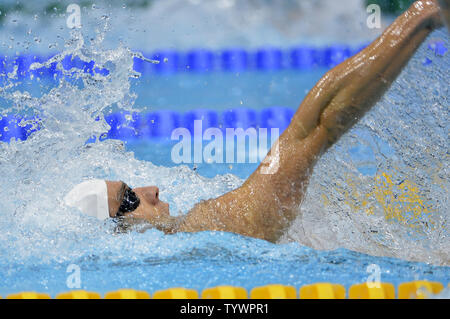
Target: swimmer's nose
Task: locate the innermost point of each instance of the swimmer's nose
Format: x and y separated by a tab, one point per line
151	194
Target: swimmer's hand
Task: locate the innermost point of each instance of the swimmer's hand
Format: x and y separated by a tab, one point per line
430	9
445	12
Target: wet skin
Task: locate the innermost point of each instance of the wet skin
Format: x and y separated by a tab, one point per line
266	204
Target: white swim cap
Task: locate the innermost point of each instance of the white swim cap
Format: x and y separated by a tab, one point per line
91	197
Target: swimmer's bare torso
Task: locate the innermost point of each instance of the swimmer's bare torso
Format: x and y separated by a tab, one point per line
267	203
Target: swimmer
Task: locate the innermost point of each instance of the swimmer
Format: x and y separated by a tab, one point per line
266	204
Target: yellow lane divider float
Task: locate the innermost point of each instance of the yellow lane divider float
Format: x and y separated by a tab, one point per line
409	290
225	292
78	294
176	293
28	295
127	294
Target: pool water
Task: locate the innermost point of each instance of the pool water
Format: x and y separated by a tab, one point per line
395	156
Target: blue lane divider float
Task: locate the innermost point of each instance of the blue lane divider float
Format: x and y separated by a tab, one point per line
198	60
160	124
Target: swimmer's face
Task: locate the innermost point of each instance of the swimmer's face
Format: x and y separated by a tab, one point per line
150	207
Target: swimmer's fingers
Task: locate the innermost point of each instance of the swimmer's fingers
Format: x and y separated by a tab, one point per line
444	6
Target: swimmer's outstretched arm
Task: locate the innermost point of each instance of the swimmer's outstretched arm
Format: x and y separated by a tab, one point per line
266	204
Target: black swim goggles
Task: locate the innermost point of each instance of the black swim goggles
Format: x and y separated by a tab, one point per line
130	201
